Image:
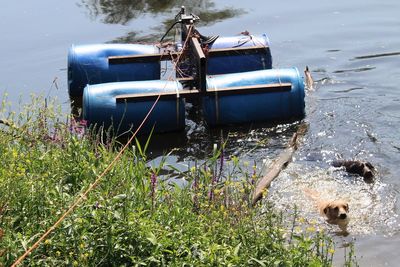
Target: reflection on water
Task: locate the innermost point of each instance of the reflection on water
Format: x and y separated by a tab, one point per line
122	12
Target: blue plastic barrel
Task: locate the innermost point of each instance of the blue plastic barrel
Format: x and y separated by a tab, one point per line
102	108
88	64
261	105
240	62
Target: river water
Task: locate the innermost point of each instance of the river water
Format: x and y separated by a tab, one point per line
351	47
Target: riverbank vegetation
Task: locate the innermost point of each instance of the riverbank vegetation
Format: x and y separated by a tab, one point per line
137	215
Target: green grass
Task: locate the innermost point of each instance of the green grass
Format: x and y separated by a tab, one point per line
135	216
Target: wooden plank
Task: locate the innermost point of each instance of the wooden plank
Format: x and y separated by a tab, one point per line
149	96
140	58
236	51
251	89
184	79
201	64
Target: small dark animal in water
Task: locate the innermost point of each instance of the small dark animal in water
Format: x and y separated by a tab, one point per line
362	168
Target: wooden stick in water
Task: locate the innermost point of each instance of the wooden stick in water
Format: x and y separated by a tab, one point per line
308	79
280	163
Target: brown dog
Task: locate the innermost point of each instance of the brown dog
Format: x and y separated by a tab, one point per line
362	168
334	211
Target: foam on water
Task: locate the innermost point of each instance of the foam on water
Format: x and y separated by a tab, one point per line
371	206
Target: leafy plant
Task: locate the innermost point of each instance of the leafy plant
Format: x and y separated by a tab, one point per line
136	215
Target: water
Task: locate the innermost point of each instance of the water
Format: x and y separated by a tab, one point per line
351	47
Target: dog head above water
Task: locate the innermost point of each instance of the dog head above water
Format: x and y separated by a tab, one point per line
335	212
362	168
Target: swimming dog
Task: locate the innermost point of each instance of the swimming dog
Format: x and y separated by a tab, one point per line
362	168
334	211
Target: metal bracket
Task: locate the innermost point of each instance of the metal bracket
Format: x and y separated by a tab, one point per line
194	58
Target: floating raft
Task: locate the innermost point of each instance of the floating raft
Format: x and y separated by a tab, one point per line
257	96
232	77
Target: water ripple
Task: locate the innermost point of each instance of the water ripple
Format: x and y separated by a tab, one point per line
349	90
377	55
355	70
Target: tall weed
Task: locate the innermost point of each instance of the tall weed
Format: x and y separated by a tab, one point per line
135	216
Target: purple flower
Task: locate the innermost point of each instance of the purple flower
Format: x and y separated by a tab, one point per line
83	123
221	165
78	127
153	184
253	177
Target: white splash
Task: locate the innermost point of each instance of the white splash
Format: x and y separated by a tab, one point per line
372	206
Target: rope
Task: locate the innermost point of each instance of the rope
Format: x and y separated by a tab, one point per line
83	196
177	102
212	84
278	76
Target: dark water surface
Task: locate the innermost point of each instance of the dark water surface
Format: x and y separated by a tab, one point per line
351	47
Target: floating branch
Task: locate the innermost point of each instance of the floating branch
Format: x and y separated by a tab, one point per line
280	163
